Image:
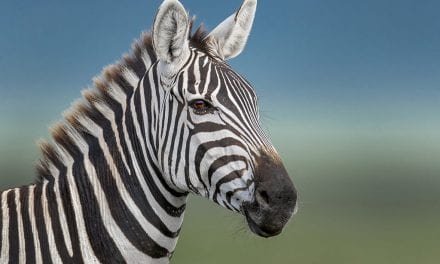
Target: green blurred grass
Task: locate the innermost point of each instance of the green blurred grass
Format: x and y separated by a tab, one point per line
351	235
366	195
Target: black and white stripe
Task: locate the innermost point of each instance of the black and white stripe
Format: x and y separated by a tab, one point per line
113	183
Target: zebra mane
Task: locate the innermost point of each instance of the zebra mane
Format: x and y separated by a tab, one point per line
114	79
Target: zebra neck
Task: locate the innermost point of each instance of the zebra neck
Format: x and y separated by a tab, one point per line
100	188
113	196
116	165
74	217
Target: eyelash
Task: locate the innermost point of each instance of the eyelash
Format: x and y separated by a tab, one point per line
201	106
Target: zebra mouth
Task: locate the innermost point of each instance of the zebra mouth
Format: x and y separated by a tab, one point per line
260	230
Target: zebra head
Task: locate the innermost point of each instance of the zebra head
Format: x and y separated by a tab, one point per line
210	141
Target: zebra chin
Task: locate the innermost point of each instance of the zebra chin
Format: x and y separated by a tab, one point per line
274	201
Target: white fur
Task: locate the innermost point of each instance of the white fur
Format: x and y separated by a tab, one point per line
170	36
61	212
48	221
38	256
20	227
230	37
5	229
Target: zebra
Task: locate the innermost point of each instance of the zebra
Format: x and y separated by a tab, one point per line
170	119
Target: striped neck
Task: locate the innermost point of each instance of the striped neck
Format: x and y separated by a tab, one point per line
101	181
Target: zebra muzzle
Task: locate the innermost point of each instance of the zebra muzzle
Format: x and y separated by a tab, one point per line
275	199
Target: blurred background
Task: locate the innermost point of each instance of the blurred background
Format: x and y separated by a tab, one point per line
349	92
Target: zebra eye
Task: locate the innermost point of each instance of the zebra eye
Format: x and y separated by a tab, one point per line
200	106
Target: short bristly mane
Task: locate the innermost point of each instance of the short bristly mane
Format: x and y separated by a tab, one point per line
137	62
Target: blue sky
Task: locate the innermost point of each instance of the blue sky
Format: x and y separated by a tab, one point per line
365	66
356	59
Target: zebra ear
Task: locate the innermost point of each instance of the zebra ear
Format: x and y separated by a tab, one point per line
230	37
170	32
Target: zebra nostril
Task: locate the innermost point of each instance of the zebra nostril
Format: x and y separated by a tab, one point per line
262	197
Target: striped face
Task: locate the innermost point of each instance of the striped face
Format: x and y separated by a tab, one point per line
210	141
216	126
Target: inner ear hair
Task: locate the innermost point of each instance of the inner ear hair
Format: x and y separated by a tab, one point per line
170	32
229	38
